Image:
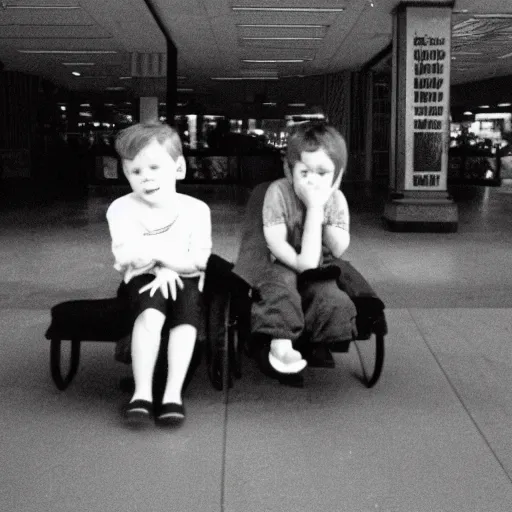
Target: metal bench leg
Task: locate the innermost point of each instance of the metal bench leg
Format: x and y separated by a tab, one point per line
55	363
371	377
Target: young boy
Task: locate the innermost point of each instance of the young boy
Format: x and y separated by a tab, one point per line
306	226
161	241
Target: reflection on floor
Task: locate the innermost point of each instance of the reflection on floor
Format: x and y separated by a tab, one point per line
433	435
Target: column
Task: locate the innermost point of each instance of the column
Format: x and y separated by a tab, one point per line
148	109
420	120
172	82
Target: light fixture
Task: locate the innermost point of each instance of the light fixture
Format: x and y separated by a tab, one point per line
282	38
78	63
483	106
269	104
76	73
67	52
287	9
244	77
274	61
278	25
184	89
85	104
41	7
296	104
504	104
503	16
116	88
468	113
125	78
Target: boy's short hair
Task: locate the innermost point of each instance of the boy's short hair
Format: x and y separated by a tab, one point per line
133	139
314	135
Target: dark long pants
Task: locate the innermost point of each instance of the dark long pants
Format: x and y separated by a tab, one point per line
320	310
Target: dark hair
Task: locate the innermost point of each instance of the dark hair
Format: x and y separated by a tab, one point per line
314	135
131	140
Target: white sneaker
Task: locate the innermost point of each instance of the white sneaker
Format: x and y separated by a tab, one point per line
282	366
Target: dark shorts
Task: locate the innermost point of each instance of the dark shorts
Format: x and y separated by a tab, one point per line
186	309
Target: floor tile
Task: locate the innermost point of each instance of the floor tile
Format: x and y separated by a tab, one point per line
405	445
473	349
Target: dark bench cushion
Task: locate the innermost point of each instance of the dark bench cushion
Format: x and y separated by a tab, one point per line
91	320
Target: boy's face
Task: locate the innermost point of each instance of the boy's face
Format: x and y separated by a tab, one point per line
314	169
152	174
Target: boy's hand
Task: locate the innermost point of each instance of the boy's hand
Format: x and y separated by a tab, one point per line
313	197
165	280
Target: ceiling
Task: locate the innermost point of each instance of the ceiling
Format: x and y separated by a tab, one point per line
214	40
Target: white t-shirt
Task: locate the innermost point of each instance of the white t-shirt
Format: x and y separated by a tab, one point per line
185	228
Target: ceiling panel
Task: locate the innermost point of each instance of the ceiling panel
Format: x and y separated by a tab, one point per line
38	17
287	31
90	31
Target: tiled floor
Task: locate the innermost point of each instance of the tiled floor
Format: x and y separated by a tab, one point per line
433	435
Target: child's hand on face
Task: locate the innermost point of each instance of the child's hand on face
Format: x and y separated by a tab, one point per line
313	196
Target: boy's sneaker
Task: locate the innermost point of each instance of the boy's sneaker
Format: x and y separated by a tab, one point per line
171	414
288	362
138	414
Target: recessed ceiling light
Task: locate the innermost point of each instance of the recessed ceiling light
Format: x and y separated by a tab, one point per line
78	63
85	104
282	38
504	104
279	25
296	104
483	106
244	78
468	113
69	51
274	61
32	6
116	88
288	9
76	73
269	103
503	16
